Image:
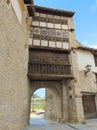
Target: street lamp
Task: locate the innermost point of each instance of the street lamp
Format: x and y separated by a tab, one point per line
88	68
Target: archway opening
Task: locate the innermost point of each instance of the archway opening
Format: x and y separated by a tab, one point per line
37	108
50	107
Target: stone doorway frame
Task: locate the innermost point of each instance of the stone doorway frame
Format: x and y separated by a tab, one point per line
53	85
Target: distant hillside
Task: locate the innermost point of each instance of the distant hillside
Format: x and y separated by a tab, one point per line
37	104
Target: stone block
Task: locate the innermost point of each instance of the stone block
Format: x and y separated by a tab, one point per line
50	25
44	43
49	16
36	14
56	17
51	44
59	44
42	15
65	45
14	42
30	41
63	18
58	26
42	24
36	42
35	23
64	26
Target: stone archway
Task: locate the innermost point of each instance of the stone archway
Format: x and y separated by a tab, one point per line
53	98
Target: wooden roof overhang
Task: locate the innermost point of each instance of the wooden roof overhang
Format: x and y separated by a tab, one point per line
53	11
92	50
30	7
31	10
49	11
28	2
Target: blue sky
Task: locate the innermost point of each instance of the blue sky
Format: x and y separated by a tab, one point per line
85	18
40	92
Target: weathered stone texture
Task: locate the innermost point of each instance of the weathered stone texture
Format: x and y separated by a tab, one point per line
71	33
82	85
63	98
14	88
79	116
52	104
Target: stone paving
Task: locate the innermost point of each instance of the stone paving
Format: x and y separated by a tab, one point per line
38	123
47	125
89	125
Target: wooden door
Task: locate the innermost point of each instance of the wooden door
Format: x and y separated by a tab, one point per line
89	106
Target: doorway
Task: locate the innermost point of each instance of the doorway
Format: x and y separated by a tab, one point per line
37	107
48	106
89	106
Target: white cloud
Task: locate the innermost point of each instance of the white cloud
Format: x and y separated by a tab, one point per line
93	46
89	44
94	6
85	42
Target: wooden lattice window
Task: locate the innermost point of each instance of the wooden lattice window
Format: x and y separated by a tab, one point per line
95	58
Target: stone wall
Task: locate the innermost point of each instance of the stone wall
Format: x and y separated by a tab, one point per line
63	98
83	85
86	83
53	106
77	95
14	85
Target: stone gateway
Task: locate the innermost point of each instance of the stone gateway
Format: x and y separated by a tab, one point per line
38	49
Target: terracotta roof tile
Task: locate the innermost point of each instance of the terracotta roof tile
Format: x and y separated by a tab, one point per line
92	50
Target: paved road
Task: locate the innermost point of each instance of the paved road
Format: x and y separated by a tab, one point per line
38	123
90	125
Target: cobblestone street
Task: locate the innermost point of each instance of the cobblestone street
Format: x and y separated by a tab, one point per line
41	124
90	125
38	123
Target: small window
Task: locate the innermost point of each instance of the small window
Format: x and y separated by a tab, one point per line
95	58
96	77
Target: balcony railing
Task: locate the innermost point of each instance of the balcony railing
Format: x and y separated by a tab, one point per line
49	70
